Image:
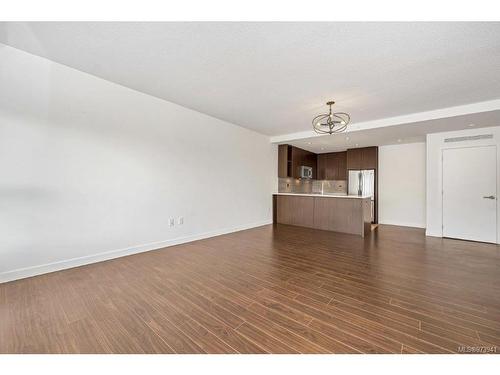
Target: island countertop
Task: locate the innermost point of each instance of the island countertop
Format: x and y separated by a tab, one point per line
319	195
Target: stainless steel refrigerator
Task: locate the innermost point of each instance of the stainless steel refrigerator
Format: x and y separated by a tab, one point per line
362	182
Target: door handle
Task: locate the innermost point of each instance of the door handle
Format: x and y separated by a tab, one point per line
489	197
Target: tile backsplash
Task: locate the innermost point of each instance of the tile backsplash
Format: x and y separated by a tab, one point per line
295	185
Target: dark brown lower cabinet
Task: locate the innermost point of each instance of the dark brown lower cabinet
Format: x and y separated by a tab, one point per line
295	210
346	215
339	215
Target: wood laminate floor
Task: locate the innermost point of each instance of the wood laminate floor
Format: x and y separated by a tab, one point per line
278	289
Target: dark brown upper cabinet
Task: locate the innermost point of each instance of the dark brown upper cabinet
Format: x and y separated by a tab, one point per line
283	161
354	158
302	157
332	166
362	158
369	158
322	166
291	158
341	165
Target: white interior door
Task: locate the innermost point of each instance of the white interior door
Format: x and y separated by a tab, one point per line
469	193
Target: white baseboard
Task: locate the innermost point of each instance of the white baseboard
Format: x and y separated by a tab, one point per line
22	273
402	224
429	233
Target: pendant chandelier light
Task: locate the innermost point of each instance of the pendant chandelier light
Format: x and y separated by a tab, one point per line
331	122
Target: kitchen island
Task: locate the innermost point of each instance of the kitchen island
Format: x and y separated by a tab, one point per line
338	213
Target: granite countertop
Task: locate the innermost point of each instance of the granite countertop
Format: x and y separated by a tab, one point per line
318	195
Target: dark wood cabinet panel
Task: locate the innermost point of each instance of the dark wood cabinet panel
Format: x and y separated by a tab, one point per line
340	163
341	215
333	214
354	158
283	161
322	164
295	210
297	160
362	158
369	158
332	166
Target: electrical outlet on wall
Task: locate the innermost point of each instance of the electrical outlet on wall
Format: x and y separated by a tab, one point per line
171	222
180	221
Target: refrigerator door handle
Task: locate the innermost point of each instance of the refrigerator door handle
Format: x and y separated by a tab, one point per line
359	182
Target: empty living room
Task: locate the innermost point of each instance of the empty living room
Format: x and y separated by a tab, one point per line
200	186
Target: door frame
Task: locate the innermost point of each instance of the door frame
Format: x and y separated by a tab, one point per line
435	142
443	149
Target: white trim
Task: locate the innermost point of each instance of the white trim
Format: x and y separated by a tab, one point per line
433	234
491	105
22	273
402	224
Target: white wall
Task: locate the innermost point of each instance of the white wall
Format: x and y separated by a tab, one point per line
402	184
89	167
435	146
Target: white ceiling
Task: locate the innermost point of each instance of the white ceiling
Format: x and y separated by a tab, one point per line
274	77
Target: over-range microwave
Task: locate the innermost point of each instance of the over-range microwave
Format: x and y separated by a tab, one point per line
306	172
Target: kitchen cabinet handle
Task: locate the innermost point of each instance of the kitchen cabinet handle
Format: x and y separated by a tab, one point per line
489	197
